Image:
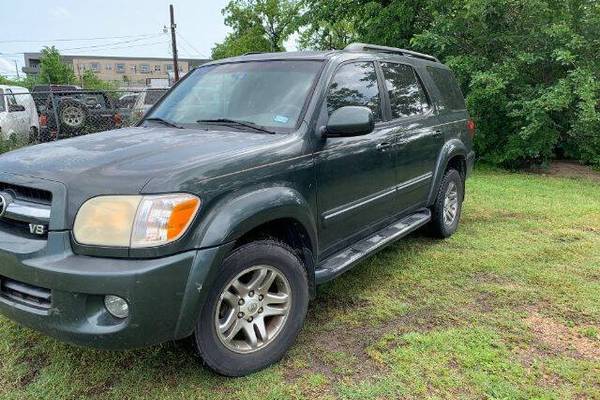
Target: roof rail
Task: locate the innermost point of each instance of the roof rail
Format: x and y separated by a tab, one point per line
384	49
252	53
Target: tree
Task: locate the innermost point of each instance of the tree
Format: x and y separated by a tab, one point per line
258	25
89	80
52	69
529	68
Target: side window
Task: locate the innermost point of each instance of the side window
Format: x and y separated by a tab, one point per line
2	101
407	96
10	98
452	97
355	84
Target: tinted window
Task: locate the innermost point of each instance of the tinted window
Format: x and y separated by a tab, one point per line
407	96
355	84
2	101
452	97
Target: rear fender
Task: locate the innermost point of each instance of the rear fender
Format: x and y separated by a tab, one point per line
451	148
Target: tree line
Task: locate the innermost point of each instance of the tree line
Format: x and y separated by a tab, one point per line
529	69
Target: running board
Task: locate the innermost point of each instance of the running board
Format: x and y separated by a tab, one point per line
346	259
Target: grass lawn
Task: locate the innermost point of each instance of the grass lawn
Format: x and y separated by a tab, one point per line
508	308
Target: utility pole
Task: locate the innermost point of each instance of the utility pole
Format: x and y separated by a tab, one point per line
17	69
174	43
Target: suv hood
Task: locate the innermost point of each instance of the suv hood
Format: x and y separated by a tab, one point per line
123	161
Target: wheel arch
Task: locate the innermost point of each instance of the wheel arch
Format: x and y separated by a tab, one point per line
453	154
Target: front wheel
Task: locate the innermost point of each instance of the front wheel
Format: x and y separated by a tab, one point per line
447	208
254	310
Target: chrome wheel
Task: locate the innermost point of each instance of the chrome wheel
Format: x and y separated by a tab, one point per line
73	116
253	309
451	204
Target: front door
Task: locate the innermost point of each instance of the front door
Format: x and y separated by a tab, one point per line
419	136
355	175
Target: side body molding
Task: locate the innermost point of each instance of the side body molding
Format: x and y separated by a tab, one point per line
451	148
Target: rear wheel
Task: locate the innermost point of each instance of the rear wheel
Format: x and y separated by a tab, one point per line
255	309
447	208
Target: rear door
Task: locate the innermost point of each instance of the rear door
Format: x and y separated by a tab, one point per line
413	119
355	175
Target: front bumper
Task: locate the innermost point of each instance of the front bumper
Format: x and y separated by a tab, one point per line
164	294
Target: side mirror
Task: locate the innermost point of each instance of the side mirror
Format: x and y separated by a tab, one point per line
16	108
350	121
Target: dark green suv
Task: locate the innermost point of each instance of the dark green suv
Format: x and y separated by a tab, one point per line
253	180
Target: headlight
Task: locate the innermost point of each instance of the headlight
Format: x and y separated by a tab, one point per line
134	221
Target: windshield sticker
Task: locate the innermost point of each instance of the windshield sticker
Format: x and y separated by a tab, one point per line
282	119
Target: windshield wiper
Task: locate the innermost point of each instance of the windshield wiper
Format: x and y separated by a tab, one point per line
246	124
164	122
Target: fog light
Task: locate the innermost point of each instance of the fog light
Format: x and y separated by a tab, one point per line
117	306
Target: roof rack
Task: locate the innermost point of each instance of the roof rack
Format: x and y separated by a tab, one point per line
384	49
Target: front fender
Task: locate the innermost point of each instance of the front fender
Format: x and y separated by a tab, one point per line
239	213
451	148
228	220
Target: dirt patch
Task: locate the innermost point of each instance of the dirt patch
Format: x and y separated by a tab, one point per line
344	354
35	363
569	169
562	339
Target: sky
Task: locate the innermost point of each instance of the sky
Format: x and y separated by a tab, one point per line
107	27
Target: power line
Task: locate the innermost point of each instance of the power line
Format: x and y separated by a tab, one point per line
76	40
110	44
129	47
192	46
103	47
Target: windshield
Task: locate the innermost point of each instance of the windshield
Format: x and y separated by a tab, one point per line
268	93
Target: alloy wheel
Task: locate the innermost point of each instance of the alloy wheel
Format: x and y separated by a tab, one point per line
253	309
451	204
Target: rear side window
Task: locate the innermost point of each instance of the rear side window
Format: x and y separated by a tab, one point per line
407	96
2	101
10	98
452	97
355	84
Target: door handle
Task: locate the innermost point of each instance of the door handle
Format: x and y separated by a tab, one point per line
437	132
383	146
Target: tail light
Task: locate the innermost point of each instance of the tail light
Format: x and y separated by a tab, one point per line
471	127
118	119
43	121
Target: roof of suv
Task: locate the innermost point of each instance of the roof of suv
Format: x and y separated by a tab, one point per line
358	48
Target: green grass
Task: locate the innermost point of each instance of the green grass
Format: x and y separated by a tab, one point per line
508	308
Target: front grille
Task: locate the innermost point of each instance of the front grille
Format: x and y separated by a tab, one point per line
23	293
27	194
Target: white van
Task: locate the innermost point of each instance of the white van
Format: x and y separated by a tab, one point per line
18	114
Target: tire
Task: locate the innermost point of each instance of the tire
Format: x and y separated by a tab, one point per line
452	186
237	356
72	116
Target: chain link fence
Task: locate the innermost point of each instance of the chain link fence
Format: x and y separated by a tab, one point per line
50	113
